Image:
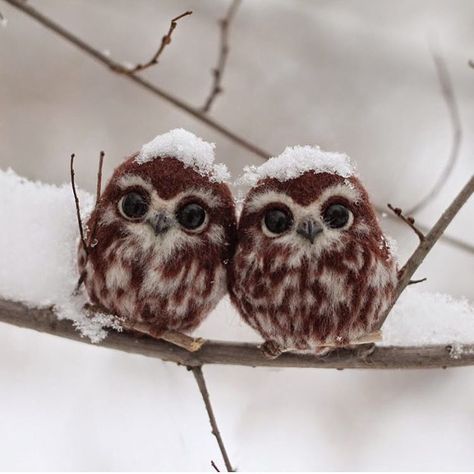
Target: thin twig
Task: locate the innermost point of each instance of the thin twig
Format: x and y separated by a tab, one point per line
213	464
447	91
78	209
115	66
218	71
165	41
415	282
240	353
99	178
453	241
408	220
428	242
199	376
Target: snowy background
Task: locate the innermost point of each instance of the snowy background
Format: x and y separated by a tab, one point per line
354	77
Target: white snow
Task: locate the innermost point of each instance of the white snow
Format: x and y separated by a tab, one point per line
38	245
421	318
295	161
191	150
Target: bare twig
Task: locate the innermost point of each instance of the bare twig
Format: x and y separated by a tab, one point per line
99	178
213	464
240	354
218	71
408	220
447	91
415	282
78	209
165	41
428	242
115	66
453	241
199	376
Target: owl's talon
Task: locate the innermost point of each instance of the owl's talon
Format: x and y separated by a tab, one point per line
363	351
196	344
271	349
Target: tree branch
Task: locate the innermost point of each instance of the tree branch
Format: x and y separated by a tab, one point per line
447	91
118	68
242	354
165	41
427	243
201	382
218	71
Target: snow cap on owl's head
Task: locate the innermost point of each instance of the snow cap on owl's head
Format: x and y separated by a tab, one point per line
186	147
297	160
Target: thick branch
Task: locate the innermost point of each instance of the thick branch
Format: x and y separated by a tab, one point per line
201	382
427	243
242	354
118	68
218	71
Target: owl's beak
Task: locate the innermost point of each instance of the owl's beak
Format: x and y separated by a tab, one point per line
309	229
160	222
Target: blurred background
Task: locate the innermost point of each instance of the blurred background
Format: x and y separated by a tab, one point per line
356	77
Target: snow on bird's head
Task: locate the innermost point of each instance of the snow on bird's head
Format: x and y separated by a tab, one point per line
297	160
186	147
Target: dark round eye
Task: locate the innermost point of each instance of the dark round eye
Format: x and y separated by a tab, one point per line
277	221
133	205
191	216
336	216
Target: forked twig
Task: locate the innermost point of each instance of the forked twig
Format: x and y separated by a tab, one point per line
410	221
165	41
199	376
218	71
78	209
447	91
428	242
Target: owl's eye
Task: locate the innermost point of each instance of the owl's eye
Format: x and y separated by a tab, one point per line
191	216
133	206
336	216
277	221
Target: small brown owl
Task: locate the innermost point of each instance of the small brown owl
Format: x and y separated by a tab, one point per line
163	232
312	267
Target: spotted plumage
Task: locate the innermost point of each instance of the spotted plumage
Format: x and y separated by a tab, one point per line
162	236
312	266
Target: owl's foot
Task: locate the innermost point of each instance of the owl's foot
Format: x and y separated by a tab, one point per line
271	349
179	339
363	350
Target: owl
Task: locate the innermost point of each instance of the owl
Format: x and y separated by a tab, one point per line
311	267
161	236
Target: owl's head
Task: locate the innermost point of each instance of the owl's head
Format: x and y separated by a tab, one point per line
166	199
306	203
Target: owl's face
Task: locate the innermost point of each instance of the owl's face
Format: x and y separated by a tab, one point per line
164	208
308	216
